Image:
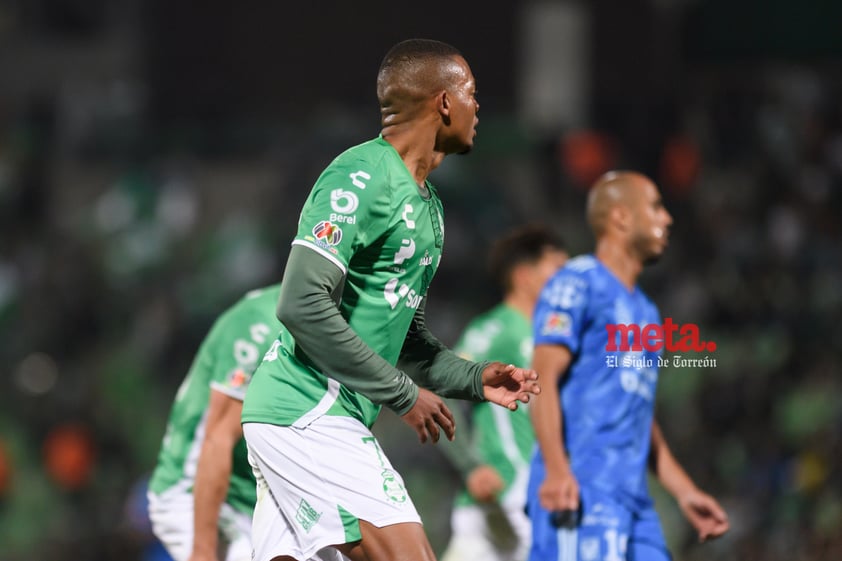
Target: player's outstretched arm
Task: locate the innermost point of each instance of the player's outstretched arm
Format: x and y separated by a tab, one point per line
560	490
432	365
222	432
702	510
438	368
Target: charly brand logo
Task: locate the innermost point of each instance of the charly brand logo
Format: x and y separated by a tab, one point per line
669	336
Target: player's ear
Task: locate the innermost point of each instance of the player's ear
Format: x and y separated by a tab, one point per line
443	105
620	217
519	275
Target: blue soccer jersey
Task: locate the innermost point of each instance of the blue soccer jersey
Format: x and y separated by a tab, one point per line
607	396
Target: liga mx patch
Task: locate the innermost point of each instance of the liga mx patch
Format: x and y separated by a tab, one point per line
238	378
327	232
557	323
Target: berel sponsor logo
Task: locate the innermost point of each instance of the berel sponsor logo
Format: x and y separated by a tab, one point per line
342	219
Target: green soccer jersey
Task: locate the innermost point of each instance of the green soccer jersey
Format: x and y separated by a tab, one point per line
366	215
501	438
225	362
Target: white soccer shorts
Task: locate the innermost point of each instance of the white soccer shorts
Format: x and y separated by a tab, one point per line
492	532
489	533
171	514
315	483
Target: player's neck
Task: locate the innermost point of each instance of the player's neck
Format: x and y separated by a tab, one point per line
621	262
415	145
520	302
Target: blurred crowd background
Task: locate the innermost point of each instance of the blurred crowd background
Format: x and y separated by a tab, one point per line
154	156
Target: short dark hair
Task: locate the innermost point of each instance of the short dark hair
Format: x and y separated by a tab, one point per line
413	68
411	50
523	244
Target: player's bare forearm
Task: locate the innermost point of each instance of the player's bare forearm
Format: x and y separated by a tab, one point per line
559	491
213	472
545	413
665	467
550	362
212	478
701	510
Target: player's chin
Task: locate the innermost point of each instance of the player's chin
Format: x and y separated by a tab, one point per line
468	143
660	246
654	256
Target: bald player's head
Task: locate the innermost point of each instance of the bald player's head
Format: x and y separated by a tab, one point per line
626	207
612	190
413	70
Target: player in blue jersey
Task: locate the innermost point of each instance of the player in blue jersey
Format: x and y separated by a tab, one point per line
588	498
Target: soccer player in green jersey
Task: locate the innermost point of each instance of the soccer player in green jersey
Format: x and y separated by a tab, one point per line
488	520
369	240
202	491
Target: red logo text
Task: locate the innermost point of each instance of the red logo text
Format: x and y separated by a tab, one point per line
653	337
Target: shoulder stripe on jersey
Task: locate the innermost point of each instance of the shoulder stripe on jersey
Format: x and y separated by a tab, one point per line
235	394
323	253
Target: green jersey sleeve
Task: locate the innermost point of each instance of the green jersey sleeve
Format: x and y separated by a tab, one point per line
436	367
312	318
345	211
237	343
